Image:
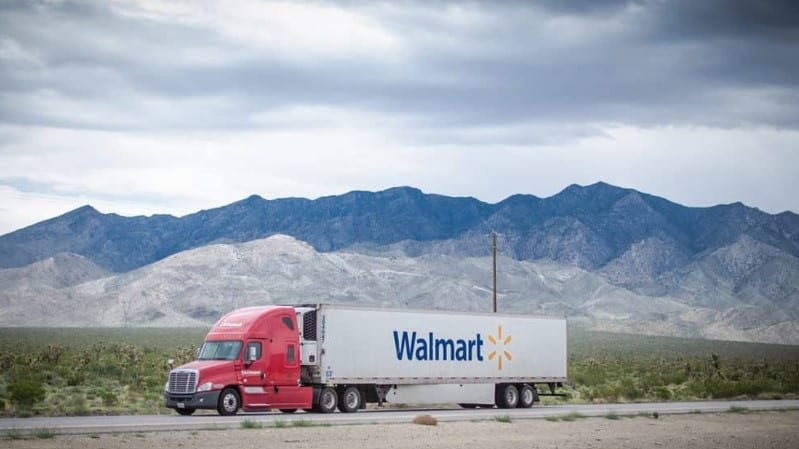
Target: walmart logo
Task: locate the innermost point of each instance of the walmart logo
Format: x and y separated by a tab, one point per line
500	351
431	347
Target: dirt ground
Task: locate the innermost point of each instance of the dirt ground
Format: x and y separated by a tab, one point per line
727	430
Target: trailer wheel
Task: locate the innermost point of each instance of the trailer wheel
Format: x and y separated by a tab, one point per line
468	405
508	396
526	396
185	411
349	400
229	402
327	400
288	410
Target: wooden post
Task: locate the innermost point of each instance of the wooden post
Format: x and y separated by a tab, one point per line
494	250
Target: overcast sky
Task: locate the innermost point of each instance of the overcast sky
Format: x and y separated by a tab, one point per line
143	107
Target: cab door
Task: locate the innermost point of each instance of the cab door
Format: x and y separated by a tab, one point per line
254	375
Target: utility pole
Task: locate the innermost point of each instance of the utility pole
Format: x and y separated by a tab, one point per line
494	251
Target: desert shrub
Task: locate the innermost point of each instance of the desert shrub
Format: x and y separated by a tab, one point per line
76	378
629	390
109	398
26	392
44	433
76	405
251	424
572	416
305	423
662	393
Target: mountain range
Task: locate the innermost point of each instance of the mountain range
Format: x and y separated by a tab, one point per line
610	257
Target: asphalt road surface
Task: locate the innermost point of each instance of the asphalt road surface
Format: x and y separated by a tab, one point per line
171	421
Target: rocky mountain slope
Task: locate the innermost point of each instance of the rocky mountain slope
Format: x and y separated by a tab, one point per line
195	287
622	259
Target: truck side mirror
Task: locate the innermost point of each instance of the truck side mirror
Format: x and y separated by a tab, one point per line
252	353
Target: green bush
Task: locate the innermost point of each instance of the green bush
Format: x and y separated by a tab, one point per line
109	398
26	392
76	378
629	390
662	393
44	434
251	424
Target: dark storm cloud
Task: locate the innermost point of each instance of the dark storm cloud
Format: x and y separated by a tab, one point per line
711	63
746	42
684	62
769	19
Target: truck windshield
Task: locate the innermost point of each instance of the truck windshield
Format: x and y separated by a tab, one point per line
220	350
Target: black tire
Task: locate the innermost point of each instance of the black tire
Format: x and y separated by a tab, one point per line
527	396
328	399
288	410
468	405
185	411
229	402
507	397
349	400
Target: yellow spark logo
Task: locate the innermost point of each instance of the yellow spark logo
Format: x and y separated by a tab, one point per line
500	352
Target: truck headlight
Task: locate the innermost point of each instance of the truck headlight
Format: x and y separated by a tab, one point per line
205	387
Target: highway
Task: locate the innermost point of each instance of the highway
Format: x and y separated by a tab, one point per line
170	421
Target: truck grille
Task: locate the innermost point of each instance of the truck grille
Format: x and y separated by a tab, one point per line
182	381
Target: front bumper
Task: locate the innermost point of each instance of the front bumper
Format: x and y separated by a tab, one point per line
206	399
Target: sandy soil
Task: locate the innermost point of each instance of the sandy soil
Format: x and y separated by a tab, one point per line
755	430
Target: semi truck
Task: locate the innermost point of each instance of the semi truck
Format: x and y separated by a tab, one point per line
324	357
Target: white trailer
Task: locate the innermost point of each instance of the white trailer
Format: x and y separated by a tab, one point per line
425	356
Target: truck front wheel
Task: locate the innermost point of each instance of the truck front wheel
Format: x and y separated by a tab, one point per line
229	402
327	400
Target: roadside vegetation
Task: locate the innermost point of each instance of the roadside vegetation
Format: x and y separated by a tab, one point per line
123	371
89	371
607	367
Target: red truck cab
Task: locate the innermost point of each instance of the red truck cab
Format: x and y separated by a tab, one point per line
249	360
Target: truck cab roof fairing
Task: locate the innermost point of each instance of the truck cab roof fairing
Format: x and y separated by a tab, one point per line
250	321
